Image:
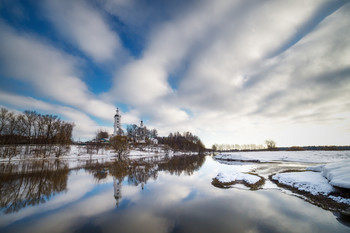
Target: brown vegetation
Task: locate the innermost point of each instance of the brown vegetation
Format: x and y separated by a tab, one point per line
185	142
121	146
48	133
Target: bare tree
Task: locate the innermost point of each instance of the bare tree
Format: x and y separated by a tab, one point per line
46	132
271	144
121	146
101	134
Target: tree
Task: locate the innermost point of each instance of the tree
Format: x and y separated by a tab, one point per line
271	144
185	142
46	132
153	133
3	120
101	134
121	146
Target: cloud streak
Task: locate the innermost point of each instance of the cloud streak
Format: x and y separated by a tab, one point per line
230	71
49	71
85	28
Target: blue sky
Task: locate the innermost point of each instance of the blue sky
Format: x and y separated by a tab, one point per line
233	72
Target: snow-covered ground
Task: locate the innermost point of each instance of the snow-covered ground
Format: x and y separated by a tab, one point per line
311	182
78	156
228	177
334	170
287	156
338	174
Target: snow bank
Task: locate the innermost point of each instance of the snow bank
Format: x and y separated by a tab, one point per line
340	199
287	156
227	177
338	174
312	182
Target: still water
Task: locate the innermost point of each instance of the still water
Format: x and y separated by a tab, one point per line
173	195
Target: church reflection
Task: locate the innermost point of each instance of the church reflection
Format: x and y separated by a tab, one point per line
117	184
29	183
139	172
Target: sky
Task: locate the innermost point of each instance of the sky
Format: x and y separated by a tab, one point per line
231	72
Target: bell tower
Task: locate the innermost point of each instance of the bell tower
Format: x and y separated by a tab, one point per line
117	124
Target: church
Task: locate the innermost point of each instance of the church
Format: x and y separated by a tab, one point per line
117	124
141	132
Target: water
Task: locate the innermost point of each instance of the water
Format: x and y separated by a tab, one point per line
149	196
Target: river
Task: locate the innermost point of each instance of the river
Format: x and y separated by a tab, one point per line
162	195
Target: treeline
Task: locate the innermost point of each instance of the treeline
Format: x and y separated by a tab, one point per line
43	134
182	142
236	147
301	148
136	133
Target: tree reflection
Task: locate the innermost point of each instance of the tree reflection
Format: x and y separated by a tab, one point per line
138	172
28	184
34	182
178	164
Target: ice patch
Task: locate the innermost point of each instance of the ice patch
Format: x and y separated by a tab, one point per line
227	177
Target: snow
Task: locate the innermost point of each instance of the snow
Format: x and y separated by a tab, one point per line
287	156
78	156
340	199
319	180
331	170
336	164
338	174
312	182
227	177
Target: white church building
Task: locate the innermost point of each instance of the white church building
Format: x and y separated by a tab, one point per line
117	124
118	131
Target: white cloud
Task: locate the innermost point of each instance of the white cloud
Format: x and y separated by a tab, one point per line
231	71
85	128
302	91
234	88
51	72
84	27
143	83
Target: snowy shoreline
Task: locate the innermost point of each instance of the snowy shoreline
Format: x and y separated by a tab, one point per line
286	156
78	155
321	180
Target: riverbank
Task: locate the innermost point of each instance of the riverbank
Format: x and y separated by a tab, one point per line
78	155
321	177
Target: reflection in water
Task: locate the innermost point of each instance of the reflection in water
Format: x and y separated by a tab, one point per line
117	184
187	164
140	171
31	183
24	184
343	219
178	197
